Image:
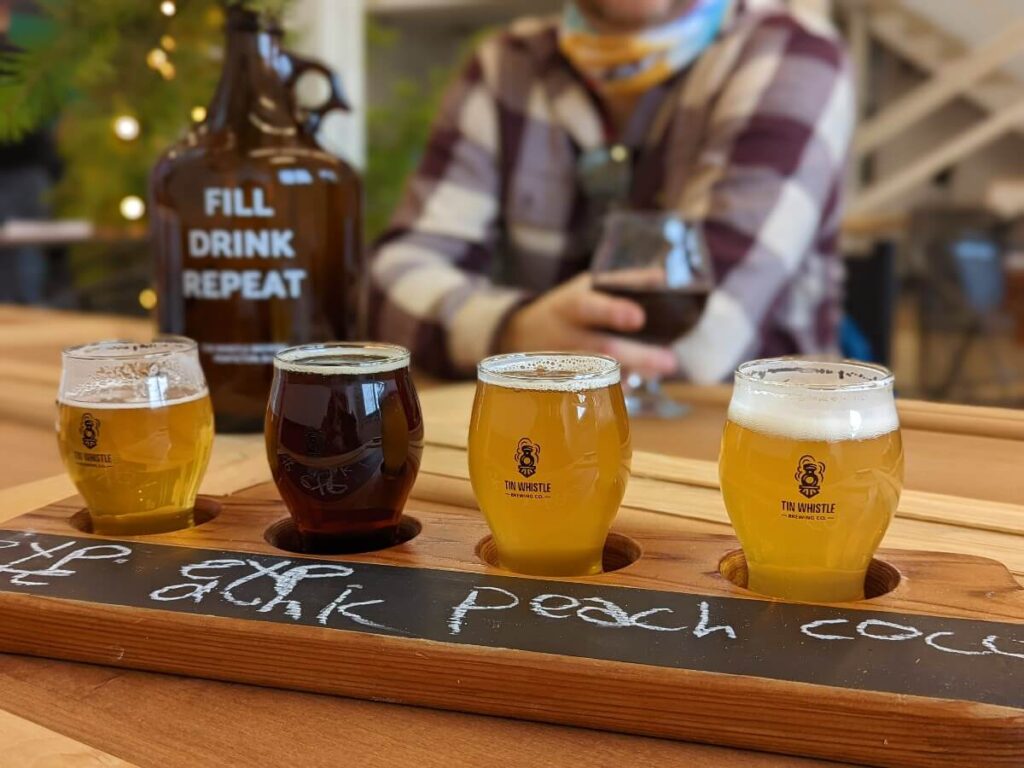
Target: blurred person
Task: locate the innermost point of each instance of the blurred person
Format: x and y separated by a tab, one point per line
736	115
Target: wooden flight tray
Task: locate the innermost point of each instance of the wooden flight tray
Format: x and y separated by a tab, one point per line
929	673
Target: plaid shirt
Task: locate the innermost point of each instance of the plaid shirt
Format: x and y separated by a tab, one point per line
749	141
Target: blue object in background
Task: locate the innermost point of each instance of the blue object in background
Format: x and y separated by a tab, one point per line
980	271
853	343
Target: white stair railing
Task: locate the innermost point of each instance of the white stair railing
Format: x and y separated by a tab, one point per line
956	70
948	81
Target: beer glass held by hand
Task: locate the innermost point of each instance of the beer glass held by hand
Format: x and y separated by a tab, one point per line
811	470
549	458
135	428
659	261
344	437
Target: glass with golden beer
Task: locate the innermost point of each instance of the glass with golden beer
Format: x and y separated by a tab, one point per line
549	458
134	428
811	470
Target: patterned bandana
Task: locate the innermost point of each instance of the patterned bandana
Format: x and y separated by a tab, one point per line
627	64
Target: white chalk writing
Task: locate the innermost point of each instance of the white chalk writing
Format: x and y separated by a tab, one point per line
890	631
27	571
283	576
593	610
470	604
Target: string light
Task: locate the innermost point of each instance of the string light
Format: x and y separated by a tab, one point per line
167	70
167	42
147	298
126	127
168	8
156	58
132	207
198	114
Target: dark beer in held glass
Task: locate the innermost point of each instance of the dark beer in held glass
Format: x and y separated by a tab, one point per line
344	437
660	262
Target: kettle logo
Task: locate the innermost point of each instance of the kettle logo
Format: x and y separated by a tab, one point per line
527	455
89	429
809	474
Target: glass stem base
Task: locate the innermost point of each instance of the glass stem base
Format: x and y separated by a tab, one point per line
645	400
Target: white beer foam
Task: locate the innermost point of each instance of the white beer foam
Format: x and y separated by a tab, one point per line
99	398
344	359
169	346
549	371
811	406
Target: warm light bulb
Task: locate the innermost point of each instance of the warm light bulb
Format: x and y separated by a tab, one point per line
156	58
132	207
126	127
147	298
167	70
168	8
168	43
198	114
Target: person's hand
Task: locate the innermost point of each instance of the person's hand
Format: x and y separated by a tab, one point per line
574	316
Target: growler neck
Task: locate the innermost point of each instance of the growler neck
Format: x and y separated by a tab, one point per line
252	96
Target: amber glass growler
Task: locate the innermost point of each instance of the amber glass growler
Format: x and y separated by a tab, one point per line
256	229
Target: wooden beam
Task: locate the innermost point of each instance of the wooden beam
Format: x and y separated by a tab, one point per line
859	37
892	187
947	82
860	54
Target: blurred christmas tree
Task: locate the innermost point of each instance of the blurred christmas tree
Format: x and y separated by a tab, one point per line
119	81
122	78
397	127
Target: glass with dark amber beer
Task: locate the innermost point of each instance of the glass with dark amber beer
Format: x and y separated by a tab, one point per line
811	470
135	427
344	437
549	458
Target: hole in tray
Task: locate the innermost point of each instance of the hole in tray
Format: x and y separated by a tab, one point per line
881	578
206	509
619	551
284	535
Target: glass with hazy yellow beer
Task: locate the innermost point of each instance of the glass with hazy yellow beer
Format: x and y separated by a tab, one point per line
135	427
811	470
549	458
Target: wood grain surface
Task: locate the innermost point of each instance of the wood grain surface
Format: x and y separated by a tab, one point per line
935	435
29	745
875	728
125	713
682	556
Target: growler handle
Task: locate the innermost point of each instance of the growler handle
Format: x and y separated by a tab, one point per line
311	117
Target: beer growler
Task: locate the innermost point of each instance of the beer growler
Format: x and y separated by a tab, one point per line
256	229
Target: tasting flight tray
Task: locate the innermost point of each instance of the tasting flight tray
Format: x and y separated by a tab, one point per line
929	673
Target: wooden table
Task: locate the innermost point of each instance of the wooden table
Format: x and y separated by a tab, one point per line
965	493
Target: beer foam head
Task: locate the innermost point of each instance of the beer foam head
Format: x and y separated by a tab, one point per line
119	374
813	400
342	358
549	371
